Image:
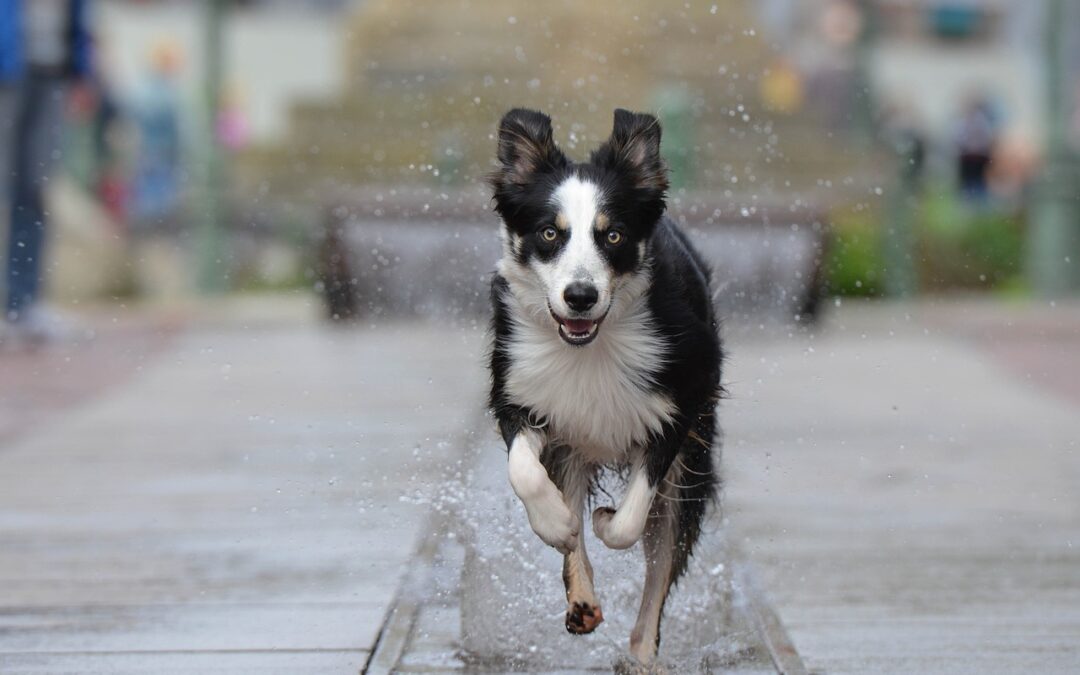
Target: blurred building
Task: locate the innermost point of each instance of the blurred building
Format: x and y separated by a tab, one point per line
932	57
277	52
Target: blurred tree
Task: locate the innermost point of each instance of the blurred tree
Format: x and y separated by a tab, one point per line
1055	233
211	273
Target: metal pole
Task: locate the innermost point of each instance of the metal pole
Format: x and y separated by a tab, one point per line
863	109
211	264
1054	235
901	278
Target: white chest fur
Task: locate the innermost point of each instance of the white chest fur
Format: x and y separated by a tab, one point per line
595	398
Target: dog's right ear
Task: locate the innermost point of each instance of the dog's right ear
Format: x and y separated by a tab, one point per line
634	149
526	147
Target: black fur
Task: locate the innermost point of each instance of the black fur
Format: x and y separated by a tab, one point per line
510	417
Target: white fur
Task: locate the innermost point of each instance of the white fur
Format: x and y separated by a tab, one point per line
549	516
596	398
578	202
623	528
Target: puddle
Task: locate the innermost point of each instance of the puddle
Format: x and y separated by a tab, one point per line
493	599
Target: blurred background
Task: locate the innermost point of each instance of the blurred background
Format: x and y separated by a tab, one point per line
205	147
246	247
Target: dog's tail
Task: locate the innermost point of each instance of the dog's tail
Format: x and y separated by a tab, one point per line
693	485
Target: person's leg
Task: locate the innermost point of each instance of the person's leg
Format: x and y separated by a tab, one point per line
36	139
9	96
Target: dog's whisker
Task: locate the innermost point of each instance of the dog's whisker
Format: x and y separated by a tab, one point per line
687	487
683	467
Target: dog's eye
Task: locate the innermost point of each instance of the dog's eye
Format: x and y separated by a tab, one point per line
549	234
614	237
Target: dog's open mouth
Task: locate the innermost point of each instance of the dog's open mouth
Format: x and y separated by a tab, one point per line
577	331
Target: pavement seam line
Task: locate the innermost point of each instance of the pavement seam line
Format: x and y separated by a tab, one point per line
397	628
782	652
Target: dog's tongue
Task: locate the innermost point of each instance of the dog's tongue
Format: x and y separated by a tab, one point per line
578	325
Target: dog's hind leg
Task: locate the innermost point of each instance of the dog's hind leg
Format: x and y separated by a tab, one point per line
669	538
658	543
574	477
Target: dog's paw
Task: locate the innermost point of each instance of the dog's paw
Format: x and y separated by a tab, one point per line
601	521
615	533
582	618
553	522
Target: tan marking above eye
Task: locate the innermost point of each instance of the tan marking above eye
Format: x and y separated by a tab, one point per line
561	221
601	222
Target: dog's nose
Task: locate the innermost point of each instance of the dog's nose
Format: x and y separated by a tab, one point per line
580	296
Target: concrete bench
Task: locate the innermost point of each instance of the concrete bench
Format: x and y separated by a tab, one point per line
432	254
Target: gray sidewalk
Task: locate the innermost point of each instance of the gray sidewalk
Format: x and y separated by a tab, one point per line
908	486
905	483
246	503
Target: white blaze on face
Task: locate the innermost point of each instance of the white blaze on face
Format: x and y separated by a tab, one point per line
577	203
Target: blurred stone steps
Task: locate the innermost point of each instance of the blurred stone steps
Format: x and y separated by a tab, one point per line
428	79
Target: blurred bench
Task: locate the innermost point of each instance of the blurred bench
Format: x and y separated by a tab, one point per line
430	253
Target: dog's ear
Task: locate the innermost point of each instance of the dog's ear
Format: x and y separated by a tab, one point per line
634	150
526	147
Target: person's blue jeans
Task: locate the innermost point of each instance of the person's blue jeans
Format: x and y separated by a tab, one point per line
35	139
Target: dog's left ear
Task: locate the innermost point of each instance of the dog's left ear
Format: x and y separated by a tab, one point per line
634	150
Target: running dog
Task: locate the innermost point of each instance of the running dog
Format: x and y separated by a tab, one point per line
606	354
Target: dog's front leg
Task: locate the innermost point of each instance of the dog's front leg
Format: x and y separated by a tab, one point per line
573	476
549	516
623	527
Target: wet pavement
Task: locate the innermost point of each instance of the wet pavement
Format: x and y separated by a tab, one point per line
906	484
485	595
257	492
241	503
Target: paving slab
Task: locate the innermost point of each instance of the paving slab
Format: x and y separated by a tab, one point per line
167	663
104	350
246	500
907	495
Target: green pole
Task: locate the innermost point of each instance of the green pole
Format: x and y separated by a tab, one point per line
1054	239
673	104
863	103
211	264
900	277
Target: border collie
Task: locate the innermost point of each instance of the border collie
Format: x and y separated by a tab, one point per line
606	354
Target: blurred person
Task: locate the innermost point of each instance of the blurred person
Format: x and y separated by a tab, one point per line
44	50
107	122
232	124
976	138
156	183
110	183
1016	164
92	153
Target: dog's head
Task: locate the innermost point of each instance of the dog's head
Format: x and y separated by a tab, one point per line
577	232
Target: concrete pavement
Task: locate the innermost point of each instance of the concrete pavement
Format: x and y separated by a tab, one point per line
244	503
904	481
907	482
